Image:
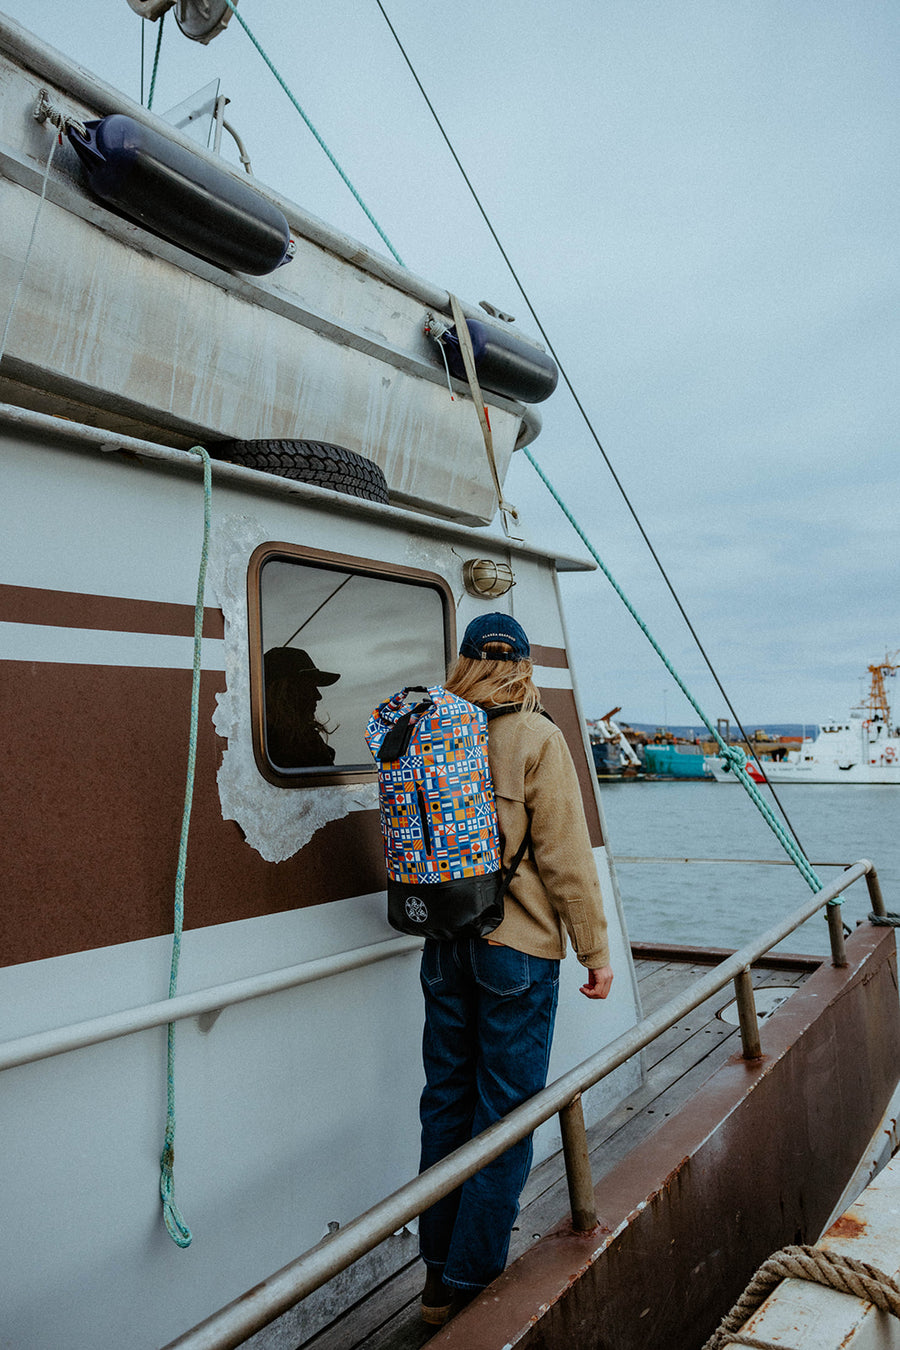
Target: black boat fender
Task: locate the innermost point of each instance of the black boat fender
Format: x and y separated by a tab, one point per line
504	363
178	195
316	462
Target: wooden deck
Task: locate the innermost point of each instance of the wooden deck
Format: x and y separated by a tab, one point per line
676	1065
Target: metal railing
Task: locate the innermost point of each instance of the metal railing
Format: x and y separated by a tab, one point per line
203	1002
233	1324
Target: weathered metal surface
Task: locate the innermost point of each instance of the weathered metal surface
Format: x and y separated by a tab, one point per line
692	1213
799	1314
115	325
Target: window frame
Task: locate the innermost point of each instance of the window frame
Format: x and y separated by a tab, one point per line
338	562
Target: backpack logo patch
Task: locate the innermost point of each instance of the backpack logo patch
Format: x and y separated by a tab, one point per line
416	909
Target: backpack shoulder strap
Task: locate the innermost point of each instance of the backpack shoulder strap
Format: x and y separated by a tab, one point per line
514	865
502	709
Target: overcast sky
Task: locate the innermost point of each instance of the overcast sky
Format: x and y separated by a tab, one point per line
701	199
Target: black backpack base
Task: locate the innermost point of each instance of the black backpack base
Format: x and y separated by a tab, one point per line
471	907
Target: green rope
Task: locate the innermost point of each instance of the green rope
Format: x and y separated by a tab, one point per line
155	61
733	755
265	57
177	1228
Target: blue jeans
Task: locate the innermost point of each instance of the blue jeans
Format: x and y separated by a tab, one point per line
489	1014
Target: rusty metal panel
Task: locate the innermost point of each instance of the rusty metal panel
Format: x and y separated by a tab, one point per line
799	1313
757	1160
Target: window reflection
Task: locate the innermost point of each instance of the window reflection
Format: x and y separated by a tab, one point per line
335	642
295	736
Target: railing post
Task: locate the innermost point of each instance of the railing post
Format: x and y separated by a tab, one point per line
746	1003
877	899
578	1166
835	916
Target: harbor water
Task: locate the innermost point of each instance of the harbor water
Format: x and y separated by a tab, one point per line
725	904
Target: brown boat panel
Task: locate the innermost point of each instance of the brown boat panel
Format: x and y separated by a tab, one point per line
93	812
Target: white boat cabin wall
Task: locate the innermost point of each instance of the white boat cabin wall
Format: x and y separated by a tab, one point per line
298	1109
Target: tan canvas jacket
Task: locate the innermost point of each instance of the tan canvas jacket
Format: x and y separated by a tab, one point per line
556	889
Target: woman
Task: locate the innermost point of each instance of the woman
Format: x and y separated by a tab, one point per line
490	1003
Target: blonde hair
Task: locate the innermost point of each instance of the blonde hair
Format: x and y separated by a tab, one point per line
491	683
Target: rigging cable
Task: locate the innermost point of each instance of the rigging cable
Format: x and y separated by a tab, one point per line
155	62
34	224
584	415
309	124
733	756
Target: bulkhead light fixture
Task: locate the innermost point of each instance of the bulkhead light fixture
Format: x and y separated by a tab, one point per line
487	579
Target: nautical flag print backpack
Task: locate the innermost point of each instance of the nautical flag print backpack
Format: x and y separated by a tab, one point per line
438	815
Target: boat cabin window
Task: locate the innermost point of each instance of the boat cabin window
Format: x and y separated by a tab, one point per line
331	637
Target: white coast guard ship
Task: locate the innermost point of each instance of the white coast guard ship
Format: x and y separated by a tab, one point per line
864	748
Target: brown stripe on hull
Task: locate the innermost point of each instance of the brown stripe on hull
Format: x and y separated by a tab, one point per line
561	705
555	657
92	799
109	613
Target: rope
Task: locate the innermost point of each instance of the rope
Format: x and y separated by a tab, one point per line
156	61
819	1266
34	225
175	1224
507	510
734	756
232	6
888	920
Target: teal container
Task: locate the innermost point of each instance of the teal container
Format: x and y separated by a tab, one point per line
674	761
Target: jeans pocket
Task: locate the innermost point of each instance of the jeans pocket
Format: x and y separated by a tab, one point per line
502	970
431	972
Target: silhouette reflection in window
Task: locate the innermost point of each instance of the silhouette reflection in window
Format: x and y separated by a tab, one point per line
295	738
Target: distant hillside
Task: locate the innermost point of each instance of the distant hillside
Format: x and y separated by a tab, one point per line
775	729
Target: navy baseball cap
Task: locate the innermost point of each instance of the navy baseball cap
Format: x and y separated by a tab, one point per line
495	628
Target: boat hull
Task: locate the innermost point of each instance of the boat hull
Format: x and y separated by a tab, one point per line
815	772
294	1110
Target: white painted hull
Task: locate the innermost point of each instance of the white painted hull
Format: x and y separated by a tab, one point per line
295	1110
298	1109
858	774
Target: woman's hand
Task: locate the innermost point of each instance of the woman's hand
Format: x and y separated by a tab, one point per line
599	982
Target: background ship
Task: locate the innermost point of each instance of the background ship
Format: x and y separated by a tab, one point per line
864	749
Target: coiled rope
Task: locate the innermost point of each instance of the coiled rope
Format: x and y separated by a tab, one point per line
346	180
734	756
817	1265
178	1230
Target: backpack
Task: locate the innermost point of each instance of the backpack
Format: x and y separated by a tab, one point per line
438	815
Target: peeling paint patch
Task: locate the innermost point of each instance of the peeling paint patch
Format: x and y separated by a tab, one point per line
276	822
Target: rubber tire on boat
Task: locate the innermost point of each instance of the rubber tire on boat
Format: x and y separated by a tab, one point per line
316	462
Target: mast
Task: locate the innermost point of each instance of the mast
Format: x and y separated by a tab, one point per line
878	705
